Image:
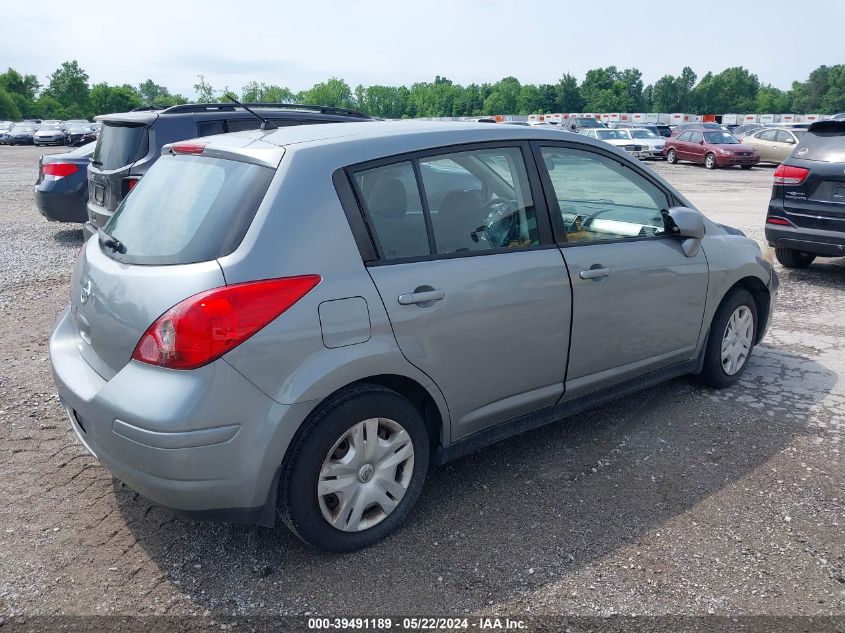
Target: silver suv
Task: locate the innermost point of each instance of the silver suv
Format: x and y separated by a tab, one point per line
301	322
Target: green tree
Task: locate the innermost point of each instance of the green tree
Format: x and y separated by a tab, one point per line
334	92
205	91
48	107
772	100
22	89
255	92
732	90
69	86
530	100
569	98
106	99
8	107
834	98
152	93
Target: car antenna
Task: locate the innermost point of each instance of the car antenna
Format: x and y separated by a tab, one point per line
265	124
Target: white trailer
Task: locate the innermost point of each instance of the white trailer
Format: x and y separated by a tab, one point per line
731	119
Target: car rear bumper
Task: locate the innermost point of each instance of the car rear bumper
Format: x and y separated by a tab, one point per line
815	241
97	217
727	161
205	442
65	206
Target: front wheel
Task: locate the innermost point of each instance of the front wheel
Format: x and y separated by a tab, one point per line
791	258
746	166
710	161
731	339
356	470
671	157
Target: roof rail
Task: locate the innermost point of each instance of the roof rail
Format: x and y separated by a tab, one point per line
206	107
148	108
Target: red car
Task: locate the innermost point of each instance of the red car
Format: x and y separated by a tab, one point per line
714	148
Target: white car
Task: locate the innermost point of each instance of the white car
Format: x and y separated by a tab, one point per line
653	143
620	139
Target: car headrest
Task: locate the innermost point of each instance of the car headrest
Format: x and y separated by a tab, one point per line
388	198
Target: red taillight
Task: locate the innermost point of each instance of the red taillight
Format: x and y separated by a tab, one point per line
780	221
188	147
202	328
789	175
59	170
130	184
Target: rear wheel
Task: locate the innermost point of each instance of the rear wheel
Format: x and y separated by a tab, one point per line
731	339
357	469
791	258
710	161
671	157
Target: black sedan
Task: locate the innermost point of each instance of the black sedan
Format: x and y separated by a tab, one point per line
21	134
61	191
77	135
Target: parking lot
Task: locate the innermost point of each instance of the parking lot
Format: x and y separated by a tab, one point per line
679	499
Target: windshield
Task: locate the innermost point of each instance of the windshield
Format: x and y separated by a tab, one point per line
609	135
120	145
23	127
188	209
588	122
720	138
643	134
79	129
50	127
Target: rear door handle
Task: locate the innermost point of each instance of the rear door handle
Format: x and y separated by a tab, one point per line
593	273
411	298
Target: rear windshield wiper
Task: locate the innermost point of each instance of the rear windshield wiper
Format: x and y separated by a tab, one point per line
108	241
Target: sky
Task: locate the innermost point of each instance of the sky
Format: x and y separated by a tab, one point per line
297	44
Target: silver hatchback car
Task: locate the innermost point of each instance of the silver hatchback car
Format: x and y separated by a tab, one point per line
300	322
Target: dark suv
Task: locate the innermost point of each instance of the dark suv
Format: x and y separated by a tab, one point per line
130	142
806	216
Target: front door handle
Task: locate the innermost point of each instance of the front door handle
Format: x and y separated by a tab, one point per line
594	273
426	296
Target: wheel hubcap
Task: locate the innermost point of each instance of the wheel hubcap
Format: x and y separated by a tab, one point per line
365	474
736	342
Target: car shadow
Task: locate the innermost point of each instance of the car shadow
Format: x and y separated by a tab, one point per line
69	237
555	498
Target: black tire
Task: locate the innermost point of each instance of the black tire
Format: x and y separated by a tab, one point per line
672	157
791	258
298	501
713	374
710	161
746	166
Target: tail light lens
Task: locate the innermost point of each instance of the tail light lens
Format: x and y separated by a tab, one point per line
779	221
59	170
203	327
128	185
188	147
789	175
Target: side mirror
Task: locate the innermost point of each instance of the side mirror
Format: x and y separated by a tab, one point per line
701	142
790	141
687	224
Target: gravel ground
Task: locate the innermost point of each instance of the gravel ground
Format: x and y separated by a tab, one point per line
678	500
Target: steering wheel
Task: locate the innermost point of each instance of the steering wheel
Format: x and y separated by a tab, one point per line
501	225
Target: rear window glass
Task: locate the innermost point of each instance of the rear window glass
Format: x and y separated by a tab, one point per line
188	209
827	146
121	145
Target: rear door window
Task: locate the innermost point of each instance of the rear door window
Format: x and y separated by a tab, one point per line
121	144
188	209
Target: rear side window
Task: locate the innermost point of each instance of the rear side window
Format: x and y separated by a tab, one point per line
460	202
188	209
120	145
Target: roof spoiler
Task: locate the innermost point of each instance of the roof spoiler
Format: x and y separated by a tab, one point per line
830	126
